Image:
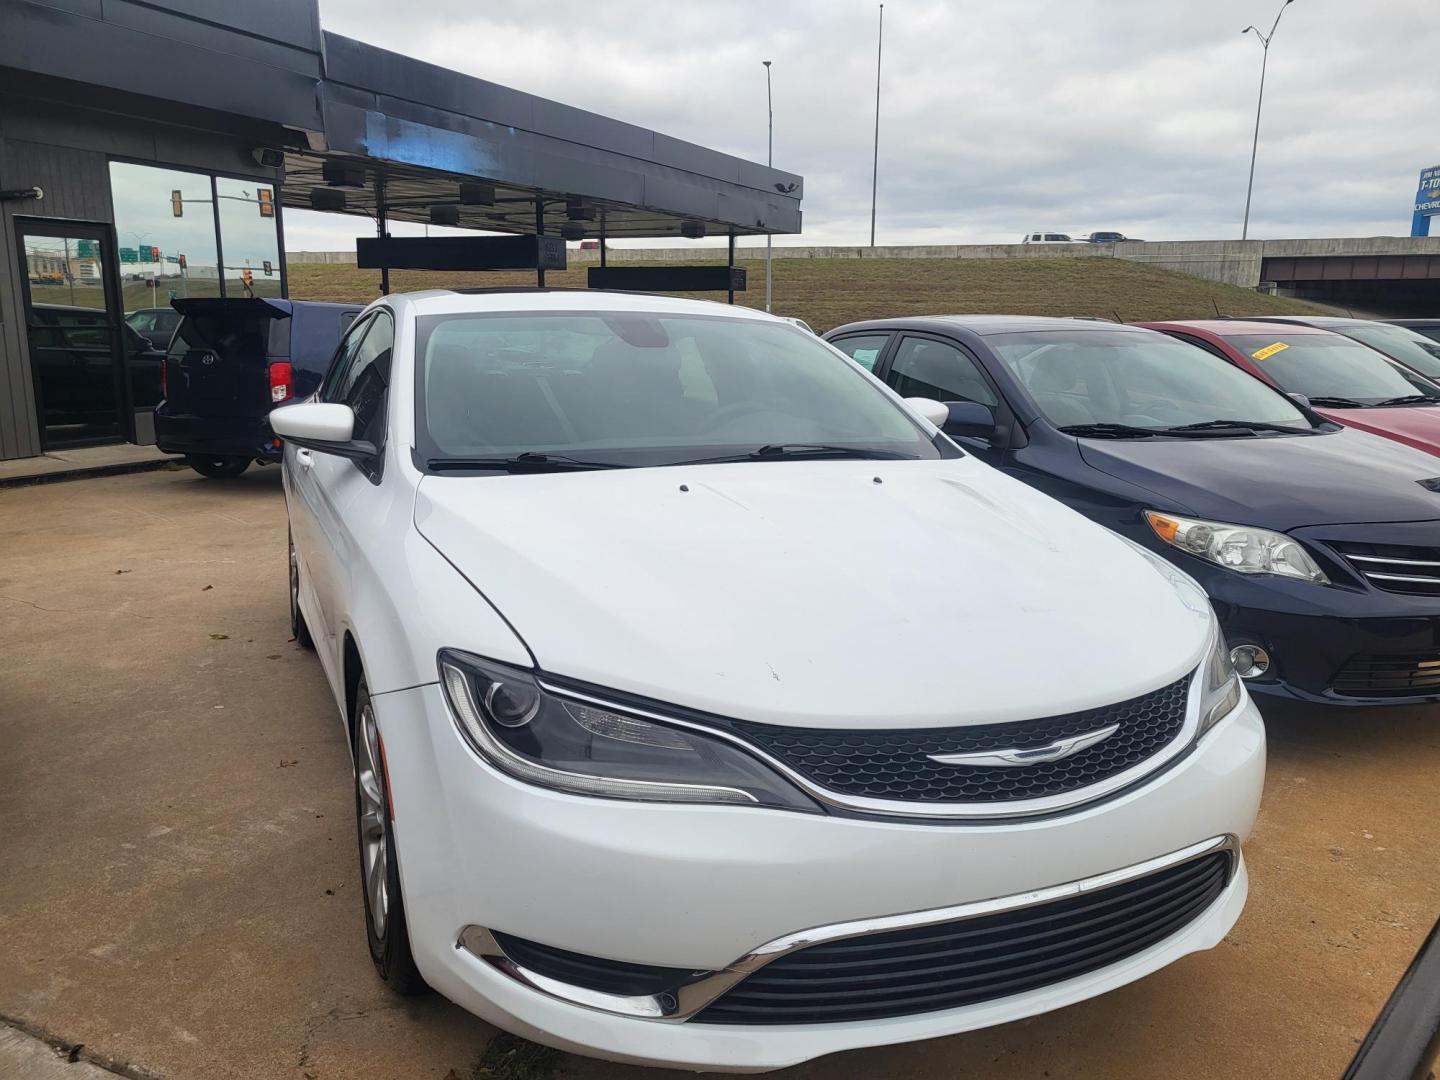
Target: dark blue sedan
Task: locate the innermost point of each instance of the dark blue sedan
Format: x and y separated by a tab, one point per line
1319	545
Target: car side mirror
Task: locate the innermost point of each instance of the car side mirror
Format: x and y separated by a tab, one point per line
930	409
969	418
322	426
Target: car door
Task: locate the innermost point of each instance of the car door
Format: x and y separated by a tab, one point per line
308	515
927	366
340	486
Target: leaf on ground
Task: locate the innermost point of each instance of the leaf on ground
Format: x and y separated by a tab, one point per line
286	763
219	637
507	1057
207	588
122	571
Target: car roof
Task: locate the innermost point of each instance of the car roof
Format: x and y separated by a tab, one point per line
984	325
1233	327
457	301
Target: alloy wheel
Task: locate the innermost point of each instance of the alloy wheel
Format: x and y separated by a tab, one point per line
374	851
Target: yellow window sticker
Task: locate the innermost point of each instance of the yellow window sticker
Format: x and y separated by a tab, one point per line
1269	350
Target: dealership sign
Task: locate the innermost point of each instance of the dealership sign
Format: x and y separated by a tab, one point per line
1427	201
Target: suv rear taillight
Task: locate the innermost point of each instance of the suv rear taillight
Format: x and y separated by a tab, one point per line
282	382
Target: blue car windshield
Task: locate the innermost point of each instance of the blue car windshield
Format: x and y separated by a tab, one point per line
1137	379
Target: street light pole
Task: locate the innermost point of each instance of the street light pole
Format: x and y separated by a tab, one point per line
1265	40
875	162
770	161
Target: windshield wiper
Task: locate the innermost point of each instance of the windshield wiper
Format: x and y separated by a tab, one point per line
1338	403
1408	399
1110	431
785	451
1240	425
530	461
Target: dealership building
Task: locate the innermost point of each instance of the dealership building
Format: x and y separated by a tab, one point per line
149	150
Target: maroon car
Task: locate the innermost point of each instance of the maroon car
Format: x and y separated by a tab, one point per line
1344	380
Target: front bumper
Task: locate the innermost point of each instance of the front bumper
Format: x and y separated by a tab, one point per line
698	887
1313	632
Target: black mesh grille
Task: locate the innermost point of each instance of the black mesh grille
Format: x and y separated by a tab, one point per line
973	960
895	765
1400	675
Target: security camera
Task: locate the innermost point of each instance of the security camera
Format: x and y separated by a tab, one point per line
23	193
267	158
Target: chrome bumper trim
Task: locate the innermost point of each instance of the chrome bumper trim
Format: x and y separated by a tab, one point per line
683	1002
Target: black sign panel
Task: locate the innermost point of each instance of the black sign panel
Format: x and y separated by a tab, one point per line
460	253
668	278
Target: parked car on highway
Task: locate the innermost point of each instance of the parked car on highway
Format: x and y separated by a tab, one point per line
1343	379
1429	327
711	709
1048	238
155	325
1319	545
1405	346
230	362
1109	238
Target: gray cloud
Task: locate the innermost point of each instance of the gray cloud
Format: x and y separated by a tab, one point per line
997	117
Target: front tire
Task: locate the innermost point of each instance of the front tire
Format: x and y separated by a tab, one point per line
217	467
385	926
298	629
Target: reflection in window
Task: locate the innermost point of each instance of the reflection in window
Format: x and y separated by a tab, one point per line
249	238
165	226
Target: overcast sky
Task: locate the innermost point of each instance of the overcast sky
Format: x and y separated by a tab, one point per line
997	116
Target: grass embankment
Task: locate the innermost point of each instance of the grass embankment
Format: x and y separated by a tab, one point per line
828	292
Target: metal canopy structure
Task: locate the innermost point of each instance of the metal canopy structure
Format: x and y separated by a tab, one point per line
423	131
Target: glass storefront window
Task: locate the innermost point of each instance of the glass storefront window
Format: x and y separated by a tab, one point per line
248	237
164	255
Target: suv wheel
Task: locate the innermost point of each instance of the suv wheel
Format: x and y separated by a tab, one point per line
217	468
298	630
379	869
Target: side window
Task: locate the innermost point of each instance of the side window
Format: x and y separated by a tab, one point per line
368	377
864	349
335	377
933	369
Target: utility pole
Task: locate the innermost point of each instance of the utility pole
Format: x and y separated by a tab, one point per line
875	163
770	161
1259	102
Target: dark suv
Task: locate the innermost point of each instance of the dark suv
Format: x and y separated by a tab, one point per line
232	361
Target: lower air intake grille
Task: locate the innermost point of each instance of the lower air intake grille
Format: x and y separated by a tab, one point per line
981	959
1400	675
896	765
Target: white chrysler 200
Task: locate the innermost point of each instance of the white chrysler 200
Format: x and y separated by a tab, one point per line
711	708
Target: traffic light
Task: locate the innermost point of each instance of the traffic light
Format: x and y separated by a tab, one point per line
182	261
248	280
177	204
267	201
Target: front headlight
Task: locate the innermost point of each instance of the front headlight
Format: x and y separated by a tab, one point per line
569	745
1220	689
1242	548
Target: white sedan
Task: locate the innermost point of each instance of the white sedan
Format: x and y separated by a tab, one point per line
710	708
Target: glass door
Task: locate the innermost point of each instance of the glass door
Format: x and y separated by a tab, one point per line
75	333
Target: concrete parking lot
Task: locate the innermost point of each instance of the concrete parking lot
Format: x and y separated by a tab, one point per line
179	888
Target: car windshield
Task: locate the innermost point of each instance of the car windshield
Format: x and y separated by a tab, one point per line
1416	350
1137	381
1332	370
634	388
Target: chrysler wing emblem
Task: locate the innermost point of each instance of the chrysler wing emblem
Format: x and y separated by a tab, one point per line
1034	755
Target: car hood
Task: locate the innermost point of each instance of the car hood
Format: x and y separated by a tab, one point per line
1417	427
1282	483
853	594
